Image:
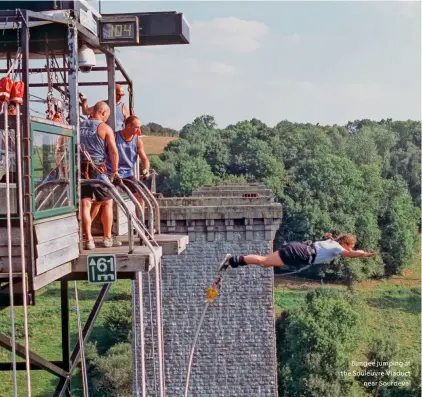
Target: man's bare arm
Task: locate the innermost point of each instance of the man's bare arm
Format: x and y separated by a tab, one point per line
86	110
111	146
126	112
142	155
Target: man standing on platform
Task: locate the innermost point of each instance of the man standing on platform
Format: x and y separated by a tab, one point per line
130	146
98	144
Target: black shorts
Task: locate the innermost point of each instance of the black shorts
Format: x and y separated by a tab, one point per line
296	255
98	193
129	185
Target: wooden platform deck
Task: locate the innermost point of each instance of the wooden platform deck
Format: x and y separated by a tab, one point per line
172	244
142	259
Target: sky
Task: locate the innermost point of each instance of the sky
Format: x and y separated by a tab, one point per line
326	62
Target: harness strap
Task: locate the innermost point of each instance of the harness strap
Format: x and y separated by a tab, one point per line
89	162
296	271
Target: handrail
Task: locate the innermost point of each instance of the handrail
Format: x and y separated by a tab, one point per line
144	196
52	182
139	228
121	203
132	198
155	202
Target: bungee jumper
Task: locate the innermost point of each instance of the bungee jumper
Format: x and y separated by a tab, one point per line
302	255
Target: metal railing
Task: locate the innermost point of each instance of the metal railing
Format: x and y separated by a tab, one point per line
135	222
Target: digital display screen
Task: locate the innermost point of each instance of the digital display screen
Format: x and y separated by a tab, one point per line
118	31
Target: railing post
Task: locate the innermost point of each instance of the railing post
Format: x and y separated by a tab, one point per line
72	42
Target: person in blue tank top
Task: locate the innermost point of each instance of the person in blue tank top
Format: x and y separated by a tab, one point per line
298	255
130	146
122	110
98	143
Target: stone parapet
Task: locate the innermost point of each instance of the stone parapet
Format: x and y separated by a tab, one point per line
214	201
230	192
229	215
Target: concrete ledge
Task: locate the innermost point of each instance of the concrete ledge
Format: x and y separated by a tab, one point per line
249	186
230	192
213	201
273	210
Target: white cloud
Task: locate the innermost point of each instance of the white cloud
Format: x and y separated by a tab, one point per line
291	39
222	68
231	34
410	9
152	68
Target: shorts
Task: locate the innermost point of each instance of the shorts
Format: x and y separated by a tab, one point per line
98	193
129	185
296	255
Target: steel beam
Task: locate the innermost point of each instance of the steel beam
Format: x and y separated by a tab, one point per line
26	155
58	69
21	366
64	295
81	84
63	385
6	342
72	44
111	80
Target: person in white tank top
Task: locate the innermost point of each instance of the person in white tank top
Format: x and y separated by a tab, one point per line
298	255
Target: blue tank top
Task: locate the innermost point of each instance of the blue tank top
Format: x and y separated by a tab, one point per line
120	117
128	153
94	145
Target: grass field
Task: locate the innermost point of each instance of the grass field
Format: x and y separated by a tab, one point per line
156	144
392	307
45	333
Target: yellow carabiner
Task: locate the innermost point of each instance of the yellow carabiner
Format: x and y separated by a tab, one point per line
212	293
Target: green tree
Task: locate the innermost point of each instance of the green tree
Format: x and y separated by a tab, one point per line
382	351
398	222
110	375
316	341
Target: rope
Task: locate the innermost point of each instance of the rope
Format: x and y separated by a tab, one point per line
81	346
193	349
162	325
21	230
212	293
135	335
9	249
152	334
296	271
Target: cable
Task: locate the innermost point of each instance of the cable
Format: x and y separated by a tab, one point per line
81	345
152	334
21	231
135	335
212	293
9	249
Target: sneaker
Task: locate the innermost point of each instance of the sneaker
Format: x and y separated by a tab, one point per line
90	245
225	264
111	242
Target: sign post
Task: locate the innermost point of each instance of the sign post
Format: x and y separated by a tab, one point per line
101	269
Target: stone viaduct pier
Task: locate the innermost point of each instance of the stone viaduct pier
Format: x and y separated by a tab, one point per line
236	350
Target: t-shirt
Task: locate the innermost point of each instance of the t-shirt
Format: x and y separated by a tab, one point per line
327	251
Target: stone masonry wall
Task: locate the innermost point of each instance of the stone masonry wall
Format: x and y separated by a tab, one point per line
235	353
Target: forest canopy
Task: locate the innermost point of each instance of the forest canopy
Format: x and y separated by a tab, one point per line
362	178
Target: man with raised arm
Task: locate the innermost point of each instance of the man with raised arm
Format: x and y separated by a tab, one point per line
97	143
122	110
